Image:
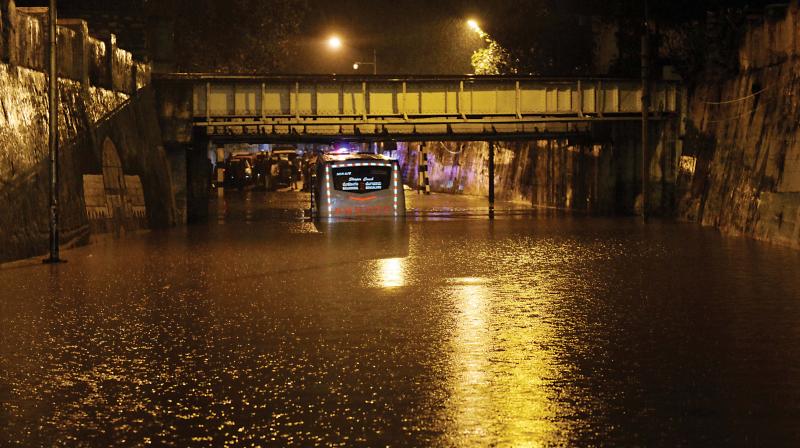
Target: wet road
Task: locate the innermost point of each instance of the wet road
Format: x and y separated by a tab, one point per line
446	330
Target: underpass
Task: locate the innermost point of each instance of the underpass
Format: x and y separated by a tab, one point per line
520	301
597	118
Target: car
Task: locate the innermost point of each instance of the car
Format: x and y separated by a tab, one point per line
238	172
281	161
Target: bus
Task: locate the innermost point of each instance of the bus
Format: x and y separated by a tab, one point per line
355	185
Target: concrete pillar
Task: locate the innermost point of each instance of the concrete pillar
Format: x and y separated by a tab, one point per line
491	180
111	50
422	178
198	182
8	41
3	41
81	55
134	72
176	154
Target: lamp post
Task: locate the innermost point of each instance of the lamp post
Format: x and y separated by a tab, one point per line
52	94
374	63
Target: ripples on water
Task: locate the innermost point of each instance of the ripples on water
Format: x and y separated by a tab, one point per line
529	331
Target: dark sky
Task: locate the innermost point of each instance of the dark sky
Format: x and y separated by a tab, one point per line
421	36
408	35
430	36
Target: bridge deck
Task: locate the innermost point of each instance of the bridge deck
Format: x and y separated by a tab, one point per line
341	106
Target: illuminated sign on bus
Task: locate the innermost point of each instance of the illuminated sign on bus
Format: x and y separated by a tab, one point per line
361	179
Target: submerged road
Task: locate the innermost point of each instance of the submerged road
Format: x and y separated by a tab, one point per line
536	329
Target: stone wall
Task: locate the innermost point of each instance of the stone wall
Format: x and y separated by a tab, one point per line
596	172
80	56
114	173
86	123
741	164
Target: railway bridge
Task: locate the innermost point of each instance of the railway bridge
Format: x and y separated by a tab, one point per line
199	110
318	108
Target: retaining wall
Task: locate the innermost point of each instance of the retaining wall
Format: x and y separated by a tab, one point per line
598	173
114	173
741	165
80	56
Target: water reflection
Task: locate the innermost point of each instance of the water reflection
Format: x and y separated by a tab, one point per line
540	332
502	374
472	342
391	272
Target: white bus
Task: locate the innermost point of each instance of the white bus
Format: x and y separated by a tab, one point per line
354	185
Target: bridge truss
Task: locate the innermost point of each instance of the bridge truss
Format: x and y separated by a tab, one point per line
318	107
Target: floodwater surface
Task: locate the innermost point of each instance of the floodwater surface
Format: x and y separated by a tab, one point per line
535	329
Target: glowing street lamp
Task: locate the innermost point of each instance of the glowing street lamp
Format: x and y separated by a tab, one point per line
472	24
374	63
334	42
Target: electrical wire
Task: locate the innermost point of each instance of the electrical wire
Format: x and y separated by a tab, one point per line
736	117
452	152
736	100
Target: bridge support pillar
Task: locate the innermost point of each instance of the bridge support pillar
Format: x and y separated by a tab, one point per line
176	155
198	181
423	180
491	180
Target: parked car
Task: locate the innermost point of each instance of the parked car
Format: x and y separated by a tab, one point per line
238	172
282	161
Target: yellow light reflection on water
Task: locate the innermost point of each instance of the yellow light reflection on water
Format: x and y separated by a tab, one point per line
391	272
500	376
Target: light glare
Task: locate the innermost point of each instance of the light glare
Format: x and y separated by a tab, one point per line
335	42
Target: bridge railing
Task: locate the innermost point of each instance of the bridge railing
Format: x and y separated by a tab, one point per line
405	107
416	98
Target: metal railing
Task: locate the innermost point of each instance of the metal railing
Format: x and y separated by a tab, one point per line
347	105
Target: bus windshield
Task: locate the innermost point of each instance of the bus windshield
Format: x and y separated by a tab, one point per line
361	179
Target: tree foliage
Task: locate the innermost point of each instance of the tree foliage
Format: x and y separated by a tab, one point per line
556	37
542	37
236	36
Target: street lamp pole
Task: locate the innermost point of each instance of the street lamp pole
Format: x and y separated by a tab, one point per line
645	107
52	94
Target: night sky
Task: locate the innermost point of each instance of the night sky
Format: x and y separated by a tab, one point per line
409	36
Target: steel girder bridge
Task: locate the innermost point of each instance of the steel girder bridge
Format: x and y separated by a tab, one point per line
369	108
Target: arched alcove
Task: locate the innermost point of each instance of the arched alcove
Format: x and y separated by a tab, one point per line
113	179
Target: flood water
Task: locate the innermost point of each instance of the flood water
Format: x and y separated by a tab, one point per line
447	329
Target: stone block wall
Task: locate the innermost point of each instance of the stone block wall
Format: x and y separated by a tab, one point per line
102	131
80	56
599	172
742	156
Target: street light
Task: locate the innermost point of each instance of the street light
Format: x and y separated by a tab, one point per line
473	25
374	63
334	42
52	94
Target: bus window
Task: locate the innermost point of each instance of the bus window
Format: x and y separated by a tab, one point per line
361	179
